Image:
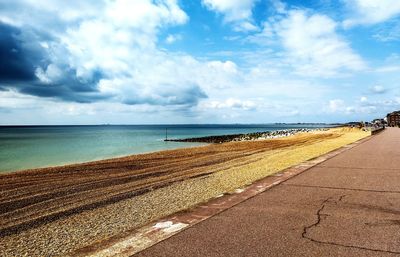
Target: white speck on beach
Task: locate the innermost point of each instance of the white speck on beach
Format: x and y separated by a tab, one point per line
165	224
239	190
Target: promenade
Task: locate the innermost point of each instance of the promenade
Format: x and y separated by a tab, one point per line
348	205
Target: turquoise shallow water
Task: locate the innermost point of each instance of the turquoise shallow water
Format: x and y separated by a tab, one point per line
28	147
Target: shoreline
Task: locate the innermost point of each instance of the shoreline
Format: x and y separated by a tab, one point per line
202	141
98	200
101	159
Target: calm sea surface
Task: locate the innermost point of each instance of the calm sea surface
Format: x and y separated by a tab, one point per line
40	146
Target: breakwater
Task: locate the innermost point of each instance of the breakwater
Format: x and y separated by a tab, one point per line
246	137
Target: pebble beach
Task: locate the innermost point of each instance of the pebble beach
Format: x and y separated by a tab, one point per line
58	211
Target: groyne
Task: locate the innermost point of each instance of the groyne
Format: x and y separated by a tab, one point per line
246	137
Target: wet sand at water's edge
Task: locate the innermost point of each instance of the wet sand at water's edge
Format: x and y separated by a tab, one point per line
55	211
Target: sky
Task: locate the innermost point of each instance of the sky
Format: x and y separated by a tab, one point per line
198	61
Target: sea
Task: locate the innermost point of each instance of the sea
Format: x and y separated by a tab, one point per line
27	147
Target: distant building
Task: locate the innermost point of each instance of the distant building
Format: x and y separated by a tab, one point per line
393	119
357	124
379	122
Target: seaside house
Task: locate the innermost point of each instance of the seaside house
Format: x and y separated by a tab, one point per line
393	119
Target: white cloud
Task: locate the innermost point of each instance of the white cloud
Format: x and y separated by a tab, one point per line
51	74
339	106
311	44
363	106
172	38
227	66
389	32
48	15
17	108
231	103
238	12
336	105
232	9
371	11
388	69
245	26
363	99
15	100
145	15
378	89
280	7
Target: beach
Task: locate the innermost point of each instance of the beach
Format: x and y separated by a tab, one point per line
31	147
59	210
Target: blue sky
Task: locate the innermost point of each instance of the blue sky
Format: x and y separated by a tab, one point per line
205	61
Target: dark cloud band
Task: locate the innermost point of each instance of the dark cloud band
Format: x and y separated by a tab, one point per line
16	63
21	55
24	63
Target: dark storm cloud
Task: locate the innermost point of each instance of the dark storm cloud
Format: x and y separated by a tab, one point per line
20	56
16	62
69	88
190	96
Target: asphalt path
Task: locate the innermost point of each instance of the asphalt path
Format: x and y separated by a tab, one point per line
348	205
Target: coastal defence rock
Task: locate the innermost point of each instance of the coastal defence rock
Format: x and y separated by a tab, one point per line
245	137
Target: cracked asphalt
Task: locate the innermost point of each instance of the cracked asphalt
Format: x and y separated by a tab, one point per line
348	205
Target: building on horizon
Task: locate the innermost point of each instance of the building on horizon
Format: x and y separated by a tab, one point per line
378	122
393	119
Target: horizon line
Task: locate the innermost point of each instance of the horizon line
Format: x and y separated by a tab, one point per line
170	124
